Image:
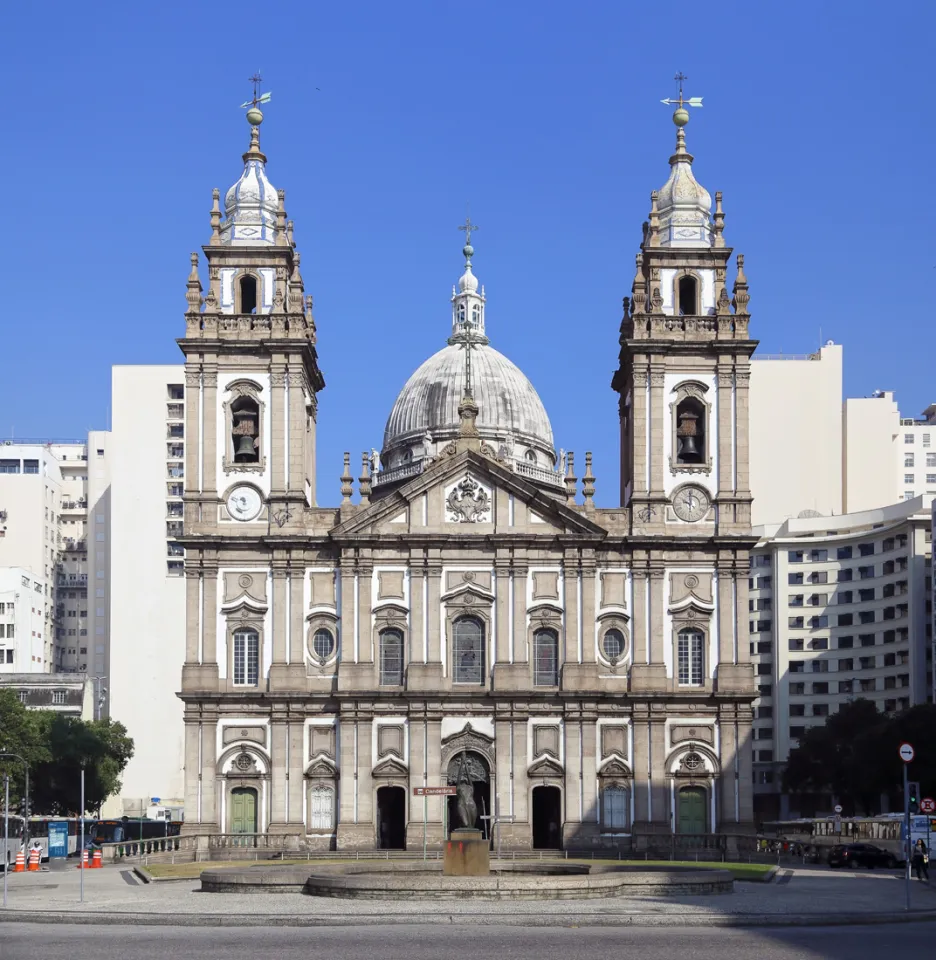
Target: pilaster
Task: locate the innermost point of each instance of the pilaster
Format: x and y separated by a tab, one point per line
210	454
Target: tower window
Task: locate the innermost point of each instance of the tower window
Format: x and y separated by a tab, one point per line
690	431
248	294
687	292
245	430
476	315
461	313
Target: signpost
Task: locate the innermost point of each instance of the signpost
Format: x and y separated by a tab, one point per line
425	793
837	822
906	753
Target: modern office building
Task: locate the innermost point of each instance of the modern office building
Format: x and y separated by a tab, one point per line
840	607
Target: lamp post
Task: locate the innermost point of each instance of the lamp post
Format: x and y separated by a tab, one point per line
25	763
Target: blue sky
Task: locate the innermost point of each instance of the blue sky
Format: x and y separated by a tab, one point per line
545	115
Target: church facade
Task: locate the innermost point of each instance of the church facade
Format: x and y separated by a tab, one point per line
473	610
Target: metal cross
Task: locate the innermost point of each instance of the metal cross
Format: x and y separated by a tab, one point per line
258	97
468	226
683	102
469	345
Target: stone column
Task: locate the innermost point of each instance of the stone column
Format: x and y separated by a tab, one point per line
523	828
641	625
503	781
213	446
502	611
573	801
278	774
209	780
297	619
520	644
589	738
728	781
658	411
725	427
417	646
295	440
743	428
365	600
659	784
192	776
347	784
589	601
740	572
436	775
346	613
193	579
435	602
279	613
367	814
570	575
210	615
193	433
657	639
277	444
726	613
639	415
296	776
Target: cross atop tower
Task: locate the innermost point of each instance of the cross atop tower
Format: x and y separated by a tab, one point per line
258	97
468	226
681	115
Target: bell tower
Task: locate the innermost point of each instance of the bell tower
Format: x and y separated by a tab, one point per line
684	366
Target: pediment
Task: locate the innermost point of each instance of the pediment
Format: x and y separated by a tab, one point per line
461	494
322	767
614	768
546	767
390	766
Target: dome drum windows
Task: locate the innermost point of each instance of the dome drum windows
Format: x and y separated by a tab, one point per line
691	420
243	415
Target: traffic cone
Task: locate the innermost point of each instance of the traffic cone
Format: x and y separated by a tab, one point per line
35	855
97	861
20	863
84	860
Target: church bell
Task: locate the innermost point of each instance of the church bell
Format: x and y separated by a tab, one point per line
245	449
686	432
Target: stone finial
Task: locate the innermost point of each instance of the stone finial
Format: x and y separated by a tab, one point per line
741	296
588	483
639	288
193	288
289	233
571	481
654	232
281	239
347	481
719	220
364	481
296	287
215	240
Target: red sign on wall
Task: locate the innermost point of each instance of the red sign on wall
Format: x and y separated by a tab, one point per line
433	791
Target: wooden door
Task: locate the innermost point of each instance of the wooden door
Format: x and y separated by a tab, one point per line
243	810
690	812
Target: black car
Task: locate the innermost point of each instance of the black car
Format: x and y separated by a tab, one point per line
861	855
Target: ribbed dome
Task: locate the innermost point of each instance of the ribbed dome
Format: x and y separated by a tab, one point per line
508	406
251	204
684	204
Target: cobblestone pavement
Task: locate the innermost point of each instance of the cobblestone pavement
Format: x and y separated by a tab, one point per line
811	895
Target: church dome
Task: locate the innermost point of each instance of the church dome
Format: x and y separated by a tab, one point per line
684	204
251	204
508	407
511	416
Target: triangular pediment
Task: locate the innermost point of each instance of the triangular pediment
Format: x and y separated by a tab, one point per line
390	767
467	494
546	767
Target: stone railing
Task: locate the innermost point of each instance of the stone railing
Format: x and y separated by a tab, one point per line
160	849
399	473
540	474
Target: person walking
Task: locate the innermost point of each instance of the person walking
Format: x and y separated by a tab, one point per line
920	861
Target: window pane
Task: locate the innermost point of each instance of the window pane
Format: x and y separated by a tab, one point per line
615	808
613	643
323	643
391	658
545	658
246	657
689	657
321	808
468	651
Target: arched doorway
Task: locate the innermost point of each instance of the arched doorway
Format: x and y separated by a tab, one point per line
547	818
243	810
690	810
479	774
391	818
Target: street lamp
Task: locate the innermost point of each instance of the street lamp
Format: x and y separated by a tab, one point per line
25	763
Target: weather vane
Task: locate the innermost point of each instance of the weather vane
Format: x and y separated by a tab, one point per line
681	116
258	97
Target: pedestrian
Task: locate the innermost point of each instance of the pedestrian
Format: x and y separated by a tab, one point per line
920	861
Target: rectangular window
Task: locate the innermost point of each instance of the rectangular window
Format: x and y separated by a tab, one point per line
797	666
793	579
9	466
795	556
764	713
818	599
818	576
391	658
795	643
844	596
846	665
845	619
866	663
797	709
820	687
866	639
846	686
870	685
908	478
890	659
797	732
867	549
818	555
689	646
908	461
30	466
931	459
819	643
765	690
246	657
795	623
908	438
796	600
843	553
822	621
819	666
866	616
58	696
468	650
797	689
866	594
820	710
764	669
545	658
866	573
844	576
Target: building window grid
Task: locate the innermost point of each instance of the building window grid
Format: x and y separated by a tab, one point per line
545	658
246	658
690	659
391	658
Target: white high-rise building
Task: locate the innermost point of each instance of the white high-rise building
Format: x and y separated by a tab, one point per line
26	644
146	584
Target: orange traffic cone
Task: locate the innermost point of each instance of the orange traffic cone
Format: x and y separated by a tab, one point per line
20	863
97	861
35	855
84	860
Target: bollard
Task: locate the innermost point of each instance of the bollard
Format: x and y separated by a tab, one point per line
20	863
84	860
97	861
35	855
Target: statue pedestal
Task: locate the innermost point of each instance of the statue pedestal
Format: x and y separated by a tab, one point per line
466	854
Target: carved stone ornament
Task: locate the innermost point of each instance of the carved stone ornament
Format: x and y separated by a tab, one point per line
244	763
468	502
691	581
468	576
245	581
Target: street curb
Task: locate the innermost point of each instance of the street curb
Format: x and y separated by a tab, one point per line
527	920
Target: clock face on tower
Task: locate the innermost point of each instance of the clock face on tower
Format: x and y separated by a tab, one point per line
691	504
244	503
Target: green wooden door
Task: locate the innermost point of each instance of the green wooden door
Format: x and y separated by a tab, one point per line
243	810
690	811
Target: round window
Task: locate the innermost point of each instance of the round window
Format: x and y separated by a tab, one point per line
692	761
613	644
323	643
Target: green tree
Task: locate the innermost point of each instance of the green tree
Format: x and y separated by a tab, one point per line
20	734
102	747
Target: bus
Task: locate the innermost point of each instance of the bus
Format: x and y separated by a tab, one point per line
9	848
128	829
65	834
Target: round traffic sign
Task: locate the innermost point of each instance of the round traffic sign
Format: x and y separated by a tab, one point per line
838	808
906	752
928	805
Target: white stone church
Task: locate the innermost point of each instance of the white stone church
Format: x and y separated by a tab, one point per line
591	665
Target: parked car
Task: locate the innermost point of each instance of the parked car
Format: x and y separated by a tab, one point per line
861	855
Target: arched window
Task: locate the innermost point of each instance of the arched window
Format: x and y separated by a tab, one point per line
545	658
690	431
461	313
323	643
248	294
476	315
468	650
321	807
687	291
530	456
614	808
246	657
391	658
245	430
612	643
690	657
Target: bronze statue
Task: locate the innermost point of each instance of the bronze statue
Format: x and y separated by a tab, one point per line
467	808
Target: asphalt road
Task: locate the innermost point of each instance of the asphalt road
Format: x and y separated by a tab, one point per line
47	942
